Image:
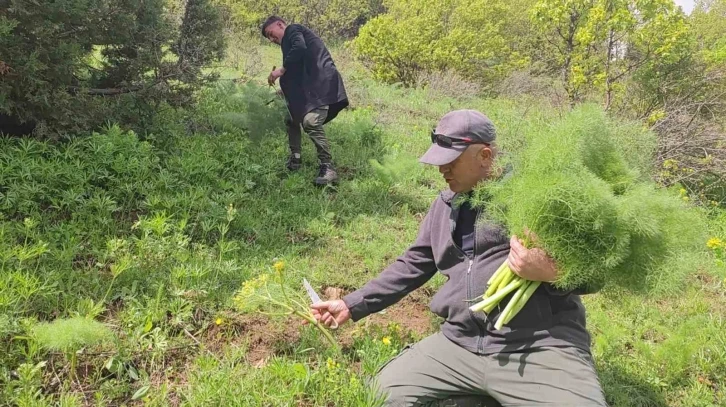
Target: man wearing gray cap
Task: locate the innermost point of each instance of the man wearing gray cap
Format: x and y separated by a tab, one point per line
541	358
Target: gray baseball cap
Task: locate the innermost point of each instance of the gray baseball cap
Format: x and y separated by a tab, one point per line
463	127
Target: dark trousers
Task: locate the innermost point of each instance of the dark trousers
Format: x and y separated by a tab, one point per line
312	123
437	372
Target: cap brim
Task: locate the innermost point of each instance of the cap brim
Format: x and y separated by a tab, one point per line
437	155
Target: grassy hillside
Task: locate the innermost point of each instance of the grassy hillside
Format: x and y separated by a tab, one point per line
154	235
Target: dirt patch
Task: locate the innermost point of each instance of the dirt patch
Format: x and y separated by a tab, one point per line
333	293
263	336
83	261
128	217
412	314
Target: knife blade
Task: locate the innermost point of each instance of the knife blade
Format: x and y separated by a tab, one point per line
314	297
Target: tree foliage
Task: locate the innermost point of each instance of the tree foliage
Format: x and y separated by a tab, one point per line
70	64
420	36
709	24
597	44
683	101
328	18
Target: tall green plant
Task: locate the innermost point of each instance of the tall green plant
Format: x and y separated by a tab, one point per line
70	66
573	195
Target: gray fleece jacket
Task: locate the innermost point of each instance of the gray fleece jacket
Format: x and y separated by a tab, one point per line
550	318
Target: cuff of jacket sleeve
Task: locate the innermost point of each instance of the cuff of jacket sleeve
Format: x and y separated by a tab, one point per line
356	305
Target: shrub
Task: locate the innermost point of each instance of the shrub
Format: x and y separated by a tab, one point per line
328	18
417	36
70	66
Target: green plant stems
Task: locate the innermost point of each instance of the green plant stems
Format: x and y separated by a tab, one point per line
320	327
527	294
511	305
497	274
508	277
306	316
518	305
495	279
498	296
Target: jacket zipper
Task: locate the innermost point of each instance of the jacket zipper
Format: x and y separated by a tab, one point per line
480	338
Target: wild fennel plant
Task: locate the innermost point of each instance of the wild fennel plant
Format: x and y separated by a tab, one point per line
70	335
601	219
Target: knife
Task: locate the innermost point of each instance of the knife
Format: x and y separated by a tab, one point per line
315	298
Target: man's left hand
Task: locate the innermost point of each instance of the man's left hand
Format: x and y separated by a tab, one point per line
530	264
274	75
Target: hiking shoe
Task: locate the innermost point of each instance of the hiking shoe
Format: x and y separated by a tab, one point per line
326	175
294	163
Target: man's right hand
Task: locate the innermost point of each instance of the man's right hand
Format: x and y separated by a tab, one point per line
329	311
274	75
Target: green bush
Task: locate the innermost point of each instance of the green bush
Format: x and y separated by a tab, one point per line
58	181
328	18
417	36
70	66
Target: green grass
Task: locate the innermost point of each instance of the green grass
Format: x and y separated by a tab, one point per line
136	233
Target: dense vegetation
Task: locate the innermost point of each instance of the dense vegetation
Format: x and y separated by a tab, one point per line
69	66
130	219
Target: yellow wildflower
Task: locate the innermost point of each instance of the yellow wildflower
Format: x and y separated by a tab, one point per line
331	364
386	341
279	266
714	243
248	288
219	321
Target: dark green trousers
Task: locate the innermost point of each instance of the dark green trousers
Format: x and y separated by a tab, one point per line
312	123
437	372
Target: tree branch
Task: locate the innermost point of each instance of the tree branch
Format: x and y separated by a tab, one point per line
105	92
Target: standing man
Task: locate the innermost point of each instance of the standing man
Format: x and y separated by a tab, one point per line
313	90
541	358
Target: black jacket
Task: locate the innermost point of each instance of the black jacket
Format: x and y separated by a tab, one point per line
311	79
550	318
